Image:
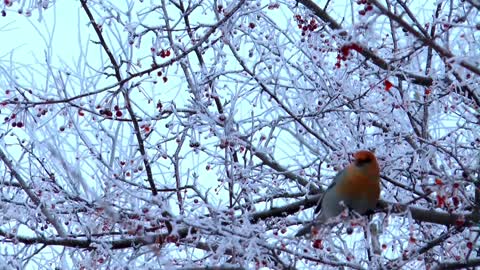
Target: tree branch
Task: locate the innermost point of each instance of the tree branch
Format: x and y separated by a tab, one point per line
36	200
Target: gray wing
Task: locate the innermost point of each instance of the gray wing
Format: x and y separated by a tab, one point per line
306	229
334	182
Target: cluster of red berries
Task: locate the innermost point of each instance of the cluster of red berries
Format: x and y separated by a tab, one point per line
164	78
194	144
13	116
17	124
162	53
273	6
108	113
145	127
306	25
344	52
41	112
368	7
446	199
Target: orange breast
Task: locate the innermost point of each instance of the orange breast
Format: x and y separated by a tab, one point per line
358	185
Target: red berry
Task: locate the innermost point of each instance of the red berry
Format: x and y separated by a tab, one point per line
456	201
345	50
459	222
440	201
388	85
317	244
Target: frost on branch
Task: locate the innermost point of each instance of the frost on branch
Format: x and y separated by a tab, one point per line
201	134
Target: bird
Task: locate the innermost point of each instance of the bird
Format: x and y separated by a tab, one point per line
356	187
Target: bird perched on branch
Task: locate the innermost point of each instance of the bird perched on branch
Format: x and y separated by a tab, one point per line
356	187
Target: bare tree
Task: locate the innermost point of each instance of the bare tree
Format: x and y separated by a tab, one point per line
200	134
